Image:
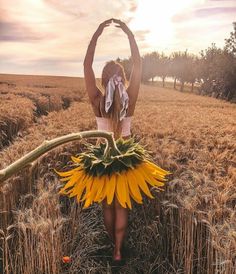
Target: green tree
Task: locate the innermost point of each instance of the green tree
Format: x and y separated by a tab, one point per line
149	66
127	65
218	72
173	69
163	67
230	43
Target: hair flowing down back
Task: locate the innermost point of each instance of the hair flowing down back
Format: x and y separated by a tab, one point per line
113	114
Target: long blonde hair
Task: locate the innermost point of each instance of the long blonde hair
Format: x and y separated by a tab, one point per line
113	114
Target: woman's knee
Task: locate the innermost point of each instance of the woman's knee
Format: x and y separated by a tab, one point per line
118	206
107	206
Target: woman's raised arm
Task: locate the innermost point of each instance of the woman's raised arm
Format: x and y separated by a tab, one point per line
135	77
89	76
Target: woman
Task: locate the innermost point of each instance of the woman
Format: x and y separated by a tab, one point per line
113	111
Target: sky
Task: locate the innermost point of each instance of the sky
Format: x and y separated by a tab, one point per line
50	37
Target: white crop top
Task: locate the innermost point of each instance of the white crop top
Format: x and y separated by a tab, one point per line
103	124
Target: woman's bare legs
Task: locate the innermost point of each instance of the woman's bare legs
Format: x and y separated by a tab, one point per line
121	222
116	221
109	218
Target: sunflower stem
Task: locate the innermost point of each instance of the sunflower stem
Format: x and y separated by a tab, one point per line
49	145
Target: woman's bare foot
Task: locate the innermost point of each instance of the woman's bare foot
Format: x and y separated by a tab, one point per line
117	255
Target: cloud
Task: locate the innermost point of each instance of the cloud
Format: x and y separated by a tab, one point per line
11	31
141	34
198	27
181	17
67	8
55	60
220	0
199	35
50	35
216	9
203	12
133	6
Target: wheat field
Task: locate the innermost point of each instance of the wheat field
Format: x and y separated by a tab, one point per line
189	228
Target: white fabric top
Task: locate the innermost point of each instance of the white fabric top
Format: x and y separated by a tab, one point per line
103	124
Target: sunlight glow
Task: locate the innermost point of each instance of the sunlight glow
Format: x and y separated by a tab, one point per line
154	16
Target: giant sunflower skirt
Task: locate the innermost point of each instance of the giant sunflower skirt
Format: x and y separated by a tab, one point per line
97	175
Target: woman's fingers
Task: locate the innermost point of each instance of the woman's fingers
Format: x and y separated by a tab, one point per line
108	21
117	21
119	24
122	26
103	25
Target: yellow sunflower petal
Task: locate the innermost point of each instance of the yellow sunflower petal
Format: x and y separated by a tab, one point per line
80	191
149	177
65	179
157	168
145	175
78	187
87	203
133	187
75	178
100	191
76	159
103	193
67	173
128	201
110	188
155	172
89	182
142	184
95	188
77	190
139	173
139	201
121	190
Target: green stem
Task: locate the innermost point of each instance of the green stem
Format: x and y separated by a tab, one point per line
48	145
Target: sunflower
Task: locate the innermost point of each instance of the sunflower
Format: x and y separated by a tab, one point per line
99	175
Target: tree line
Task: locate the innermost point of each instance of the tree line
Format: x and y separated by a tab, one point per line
213	71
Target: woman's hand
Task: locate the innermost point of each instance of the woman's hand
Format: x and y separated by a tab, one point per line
101	27
123	26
